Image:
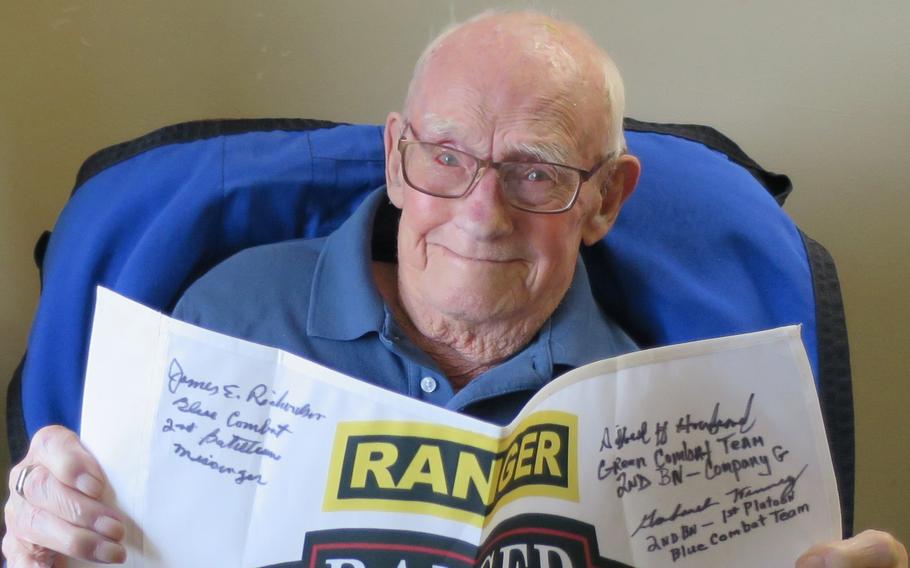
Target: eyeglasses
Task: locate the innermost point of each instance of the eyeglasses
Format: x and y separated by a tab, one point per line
538	187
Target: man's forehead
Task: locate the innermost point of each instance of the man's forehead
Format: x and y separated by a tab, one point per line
513	114
523	138
525	78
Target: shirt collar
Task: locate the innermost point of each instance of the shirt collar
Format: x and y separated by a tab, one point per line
344	303
580	332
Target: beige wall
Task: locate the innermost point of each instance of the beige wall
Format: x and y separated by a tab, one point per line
818	90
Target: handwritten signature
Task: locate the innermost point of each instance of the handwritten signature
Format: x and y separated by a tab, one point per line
787	485
715	424
655	519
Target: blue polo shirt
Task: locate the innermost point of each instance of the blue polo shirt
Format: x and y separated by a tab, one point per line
316	298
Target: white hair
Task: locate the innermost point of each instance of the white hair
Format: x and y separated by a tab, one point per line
613	89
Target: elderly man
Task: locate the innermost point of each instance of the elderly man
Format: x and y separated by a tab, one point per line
509	154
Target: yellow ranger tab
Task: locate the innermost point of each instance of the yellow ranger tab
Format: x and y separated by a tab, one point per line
449	472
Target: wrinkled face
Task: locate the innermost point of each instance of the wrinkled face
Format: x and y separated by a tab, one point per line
478	259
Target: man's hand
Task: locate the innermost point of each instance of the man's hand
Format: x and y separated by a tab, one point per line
54	508
869	549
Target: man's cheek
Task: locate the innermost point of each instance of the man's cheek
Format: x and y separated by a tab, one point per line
412	249
423	207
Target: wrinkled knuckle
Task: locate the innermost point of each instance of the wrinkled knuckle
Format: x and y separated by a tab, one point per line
66	439
37	485
71	509
55	437
31	519
46	435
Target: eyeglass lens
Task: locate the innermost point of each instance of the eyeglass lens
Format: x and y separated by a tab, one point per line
446	172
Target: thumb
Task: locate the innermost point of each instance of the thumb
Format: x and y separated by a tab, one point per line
869	549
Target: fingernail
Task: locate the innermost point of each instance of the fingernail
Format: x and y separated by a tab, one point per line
813	562
89	485
110	552
110	527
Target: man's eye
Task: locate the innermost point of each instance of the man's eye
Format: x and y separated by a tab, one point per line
537	175
448	159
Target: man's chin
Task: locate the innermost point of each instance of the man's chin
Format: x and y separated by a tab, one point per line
468	294
477	304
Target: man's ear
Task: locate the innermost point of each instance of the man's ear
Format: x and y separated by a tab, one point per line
394	181
617	189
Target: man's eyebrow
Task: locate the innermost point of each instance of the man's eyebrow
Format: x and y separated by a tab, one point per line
542	152
436	126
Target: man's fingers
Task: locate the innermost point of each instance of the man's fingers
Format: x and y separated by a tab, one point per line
869	549
54	510
45	492
21	554
38	531
61	452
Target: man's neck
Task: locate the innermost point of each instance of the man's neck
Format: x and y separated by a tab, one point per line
462	350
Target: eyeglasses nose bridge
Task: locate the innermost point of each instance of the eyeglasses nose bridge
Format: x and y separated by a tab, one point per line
482	167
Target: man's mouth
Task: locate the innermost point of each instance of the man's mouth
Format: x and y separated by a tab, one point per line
487	257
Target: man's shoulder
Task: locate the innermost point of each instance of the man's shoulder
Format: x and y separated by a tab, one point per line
252	279
279	255
264	293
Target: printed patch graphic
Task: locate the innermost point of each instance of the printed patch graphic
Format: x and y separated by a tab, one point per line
381	548
448	472
543	541
525	541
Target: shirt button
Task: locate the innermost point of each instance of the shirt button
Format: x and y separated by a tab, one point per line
428	384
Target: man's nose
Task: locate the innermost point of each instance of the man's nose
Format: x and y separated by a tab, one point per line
485	213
